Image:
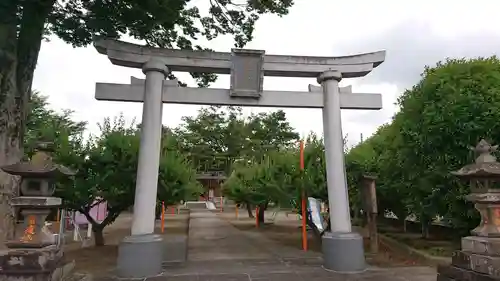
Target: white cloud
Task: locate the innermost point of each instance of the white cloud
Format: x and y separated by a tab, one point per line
414	33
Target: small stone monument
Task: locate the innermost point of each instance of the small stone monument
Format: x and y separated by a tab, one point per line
479	257
33	254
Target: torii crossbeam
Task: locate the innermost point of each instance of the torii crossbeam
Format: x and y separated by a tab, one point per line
342	248
172	93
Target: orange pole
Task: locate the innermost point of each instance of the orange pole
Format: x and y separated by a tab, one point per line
257	217
162	216
236	211
304	205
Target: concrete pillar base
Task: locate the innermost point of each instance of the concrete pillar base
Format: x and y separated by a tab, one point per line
343	252
140	256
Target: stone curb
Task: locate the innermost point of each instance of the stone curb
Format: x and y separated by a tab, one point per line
420	255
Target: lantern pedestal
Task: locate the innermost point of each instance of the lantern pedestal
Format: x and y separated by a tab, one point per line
34	264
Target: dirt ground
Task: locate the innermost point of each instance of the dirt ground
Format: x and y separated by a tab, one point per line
286	229
100	260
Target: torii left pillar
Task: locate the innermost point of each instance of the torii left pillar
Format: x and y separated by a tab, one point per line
141	254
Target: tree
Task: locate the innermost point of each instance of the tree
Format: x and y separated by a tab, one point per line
269	132
218	133
261	183
43	123
107	166
453	106
170	24
214	138
379	155
457	104
177	176
217	138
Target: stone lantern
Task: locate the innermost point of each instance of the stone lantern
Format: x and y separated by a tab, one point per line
479	257
33	253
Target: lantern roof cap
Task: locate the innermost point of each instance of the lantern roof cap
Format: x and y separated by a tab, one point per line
485	165
39	166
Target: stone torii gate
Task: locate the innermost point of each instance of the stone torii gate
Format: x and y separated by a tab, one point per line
141	253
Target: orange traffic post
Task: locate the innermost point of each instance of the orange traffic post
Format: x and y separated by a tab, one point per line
257	217
304	205
162	216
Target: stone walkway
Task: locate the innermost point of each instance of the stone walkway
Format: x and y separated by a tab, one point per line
218	251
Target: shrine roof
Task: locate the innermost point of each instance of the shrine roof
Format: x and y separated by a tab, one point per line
480	170
486	164
28	170
39	166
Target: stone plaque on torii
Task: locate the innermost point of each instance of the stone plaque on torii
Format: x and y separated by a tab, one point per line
342	249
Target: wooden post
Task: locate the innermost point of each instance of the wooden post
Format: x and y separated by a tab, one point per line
369	197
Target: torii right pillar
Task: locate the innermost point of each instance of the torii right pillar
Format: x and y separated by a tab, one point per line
342	249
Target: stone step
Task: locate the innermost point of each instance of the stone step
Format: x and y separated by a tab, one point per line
452	273
483	264
481	245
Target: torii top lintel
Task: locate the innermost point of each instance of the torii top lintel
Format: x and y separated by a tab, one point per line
133	55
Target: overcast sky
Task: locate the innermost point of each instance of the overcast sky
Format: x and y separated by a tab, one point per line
414	34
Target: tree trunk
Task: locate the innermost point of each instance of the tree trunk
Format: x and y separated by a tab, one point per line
402	222
262	212
249	210
98	236
20	42
425	222
9	126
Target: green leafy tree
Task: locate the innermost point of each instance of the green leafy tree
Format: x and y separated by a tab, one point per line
457	104
107	168
43	123
261	183
213	138
269	132
217	138
379	155
453	106
179	183
170	24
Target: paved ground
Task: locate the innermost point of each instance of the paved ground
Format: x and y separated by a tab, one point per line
218	251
